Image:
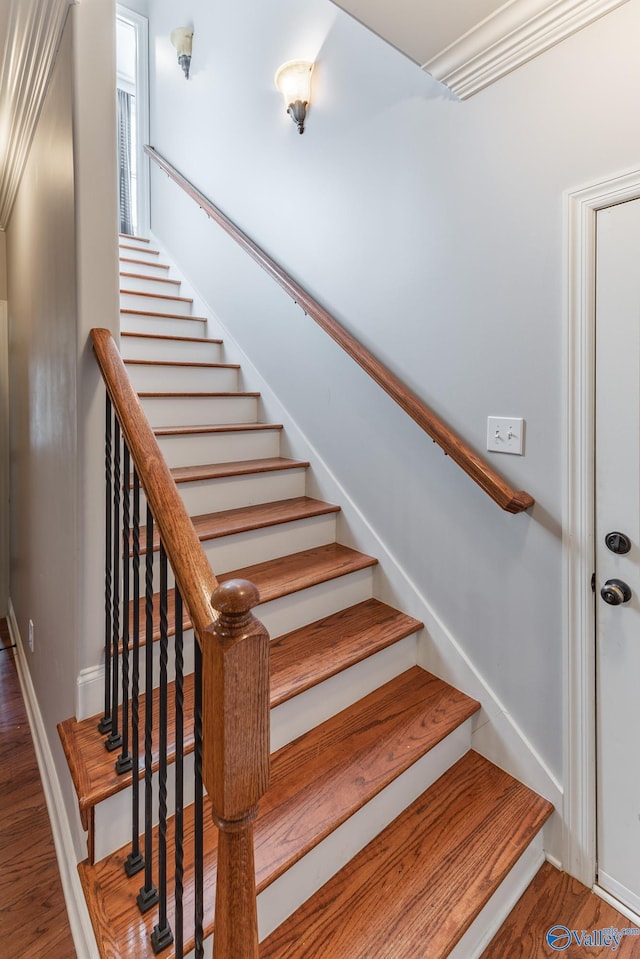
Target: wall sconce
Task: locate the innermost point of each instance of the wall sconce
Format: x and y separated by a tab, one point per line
293	80
182	38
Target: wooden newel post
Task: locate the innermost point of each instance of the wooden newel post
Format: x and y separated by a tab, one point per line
235	714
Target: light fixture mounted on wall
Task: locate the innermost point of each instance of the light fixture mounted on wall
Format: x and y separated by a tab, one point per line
181	38
293	80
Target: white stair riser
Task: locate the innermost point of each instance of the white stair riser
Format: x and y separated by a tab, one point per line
152	348
199	411
131	263
113	815
197	449
260	545
301	608
188	640
316	705
133	251
133	280
183	378
159	304
162	325
232	492
311	872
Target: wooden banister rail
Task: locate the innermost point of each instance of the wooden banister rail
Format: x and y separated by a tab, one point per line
509	499
235	669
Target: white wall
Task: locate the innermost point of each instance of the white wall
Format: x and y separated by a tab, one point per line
434	230
43	382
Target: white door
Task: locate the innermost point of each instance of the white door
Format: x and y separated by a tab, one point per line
618	550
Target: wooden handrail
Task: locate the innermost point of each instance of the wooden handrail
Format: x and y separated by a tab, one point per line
192	571
509	499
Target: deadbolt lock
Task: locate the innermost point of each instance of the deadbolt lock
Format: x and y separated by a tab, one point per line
617	542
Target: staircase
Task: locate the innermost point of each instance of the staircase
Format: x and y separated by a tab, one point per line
382	833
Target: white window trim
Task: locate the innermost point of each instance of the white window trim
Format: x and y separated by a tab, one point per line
141	26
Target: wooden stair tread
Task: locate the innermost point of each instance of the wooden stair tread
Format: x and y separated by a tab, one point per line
288	574
183	363
189	474
128	259
214	428
158	296
161	313
92	766
154	279
317	782
244	519
131	236
425	878
274	578
165	336
306	656
127	246
184	394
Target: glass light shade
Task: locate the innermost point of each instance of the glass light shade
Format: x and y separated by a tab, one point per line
293	80
182	38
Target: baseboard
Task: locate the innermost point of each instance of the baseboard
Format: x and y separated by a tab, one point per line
79	921
90	692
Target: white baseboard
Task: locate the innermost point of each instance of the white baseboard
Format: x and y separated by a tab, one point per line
79	920
90	692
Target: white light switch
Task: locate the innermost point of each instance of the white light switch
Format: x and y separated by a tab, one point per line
505	434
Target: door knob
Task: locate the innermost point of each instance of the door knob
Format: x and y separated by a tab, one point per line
617	542
615	592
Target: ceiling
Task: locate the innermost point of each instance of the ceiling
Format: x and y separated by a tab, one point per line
470	44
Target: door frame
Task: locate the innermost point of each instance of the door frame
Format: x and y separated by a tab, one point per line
580	209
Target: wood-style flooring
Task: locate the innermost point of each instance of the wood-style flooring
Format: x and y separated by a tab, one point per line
33	916
555	899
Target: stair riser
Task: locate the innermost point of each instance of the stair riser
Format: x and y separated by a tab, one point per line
314	706
258	546
138	252
131	263
140	243
113	815
144	348
226	447
232	492
309	709
306	606
147	284
199	411
162	325
183	378
304	878
133	301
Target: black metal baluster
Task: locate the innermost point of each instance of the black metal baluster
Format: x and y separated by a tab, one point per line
179	817
198	807
104	726
148	895
124	761
161	937
135	861
114	740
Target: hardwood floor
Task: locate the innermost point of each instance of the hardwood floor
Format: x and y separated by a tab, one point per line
33	916
554	898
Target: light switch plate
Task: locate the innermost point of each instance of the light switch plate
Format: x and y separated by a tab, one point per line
505	434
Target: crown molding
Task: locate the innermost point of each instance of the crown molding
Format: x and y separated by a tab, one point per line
33	32
517	32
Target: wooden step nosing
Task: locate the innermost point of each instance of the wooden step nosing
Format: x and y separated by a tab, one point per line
157	296
183	364
167	336
215	428
156	266
163	316
139	239
127	246
183	395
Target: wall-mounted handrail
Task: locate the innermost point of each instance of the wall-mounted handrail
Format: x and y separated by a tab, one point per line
231	700
509	499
